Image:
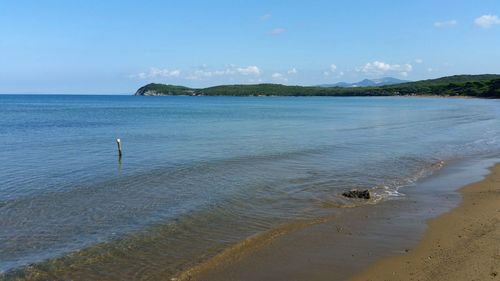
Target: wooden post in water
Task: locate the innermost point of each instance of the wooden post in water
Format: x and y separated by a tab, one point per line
119	143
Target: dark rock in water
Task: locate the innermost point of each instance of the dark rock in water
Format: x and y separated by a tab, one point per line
355	193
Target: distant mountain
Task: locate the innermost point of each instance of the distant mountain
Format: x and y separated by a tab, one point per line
367	83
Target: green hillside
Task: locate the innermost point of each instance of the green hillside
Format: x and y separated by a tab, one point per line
487	86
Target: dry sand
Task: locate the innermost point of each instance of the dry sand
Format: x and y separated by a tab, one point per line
463	244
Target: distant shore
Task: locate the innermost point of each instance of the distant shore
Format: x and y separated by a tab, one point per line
483	86
460	245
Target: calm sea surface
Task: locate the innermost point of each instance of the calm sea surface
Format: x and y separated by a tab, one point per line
201	173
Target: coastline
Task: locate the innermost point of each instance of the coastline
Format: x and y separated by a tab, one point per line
458	85
463	244
249	208
368	239
319	96
328	248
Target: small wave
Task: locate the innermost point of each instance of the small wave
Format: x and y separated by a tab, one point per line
382	192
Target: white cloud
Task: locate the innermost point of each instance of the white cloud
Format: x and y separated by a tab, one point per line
155	72
408	67
487	21
202	72
277	31
377	66
419	61
279	77
249	70
448	23
283	77
430	69
332	69
380	68
265	17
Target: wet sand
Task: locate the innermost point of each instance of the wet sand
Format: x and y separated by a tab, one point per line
462	243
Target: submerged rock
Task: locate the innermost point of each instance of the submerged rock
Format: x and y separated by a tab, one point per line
355	193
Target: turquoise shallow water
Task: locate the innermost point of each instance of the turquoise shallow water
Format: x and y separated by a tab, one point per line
200	173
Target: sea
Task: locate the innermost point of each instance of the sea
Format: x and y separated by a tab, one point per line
198	175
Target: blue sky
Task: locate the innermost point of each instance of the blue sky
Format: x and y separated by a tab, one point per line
114	47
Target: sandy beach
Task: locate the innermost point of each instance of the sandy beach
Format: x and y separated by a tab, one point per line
463	244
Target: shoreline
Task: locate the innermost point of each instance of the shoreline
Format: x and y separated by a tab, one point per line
338	247
316	244
325	96
354	241
462	244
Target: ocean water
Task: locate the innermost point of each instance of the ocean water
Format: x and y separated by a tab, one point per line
199	174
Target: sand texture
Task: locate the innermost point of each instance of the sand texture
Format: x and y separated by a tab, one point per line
463	244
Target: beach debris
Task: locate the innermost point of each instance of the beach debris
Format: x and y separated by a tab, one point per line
356	193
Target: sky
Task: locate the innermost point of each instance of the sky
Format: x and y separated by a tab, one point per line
114	47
